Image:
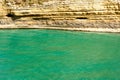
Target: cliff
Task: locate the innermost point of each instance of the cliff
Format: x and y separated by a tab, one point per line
88	15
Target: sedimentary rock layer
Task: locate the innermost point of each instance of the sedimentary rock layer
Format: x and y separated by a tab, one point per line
85	15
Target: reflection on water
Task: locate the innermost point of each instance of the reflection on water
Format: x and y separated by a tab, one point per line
58	55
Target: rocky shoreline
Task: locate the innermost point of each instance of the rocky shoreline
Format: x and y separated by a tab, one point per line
75	24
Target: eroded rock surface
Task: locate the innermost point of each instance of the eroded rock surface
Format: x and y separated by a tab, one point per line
3	11
60	14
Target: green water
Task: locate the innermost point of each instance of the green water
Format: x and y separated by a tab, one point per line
59	55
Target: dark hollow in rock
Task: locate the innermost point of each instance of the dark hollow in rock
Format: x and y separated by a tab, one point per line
81	18
41	18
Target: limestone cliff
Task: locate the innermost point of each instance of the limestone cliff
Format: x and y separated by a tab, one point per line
93	15
71	4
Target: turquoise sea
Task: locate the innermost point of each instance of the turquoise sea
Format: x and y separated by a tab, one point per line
33	54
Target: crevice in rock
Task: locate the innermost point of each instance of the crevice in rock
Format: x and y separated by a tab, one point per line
41	18
81	18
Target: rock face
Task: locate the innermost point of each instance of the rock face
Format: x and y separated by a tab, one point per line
61	14
3	11
69	4
76	5
63	8
59	8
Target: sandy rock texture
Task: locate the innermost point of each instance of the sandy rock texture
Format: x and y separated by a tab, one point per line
83	15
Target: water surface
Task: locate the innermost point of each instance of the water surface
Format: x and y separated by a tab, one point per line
59	55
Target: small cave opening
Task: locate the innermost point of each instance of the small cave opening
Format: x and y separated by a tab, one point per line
13	17
10	15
